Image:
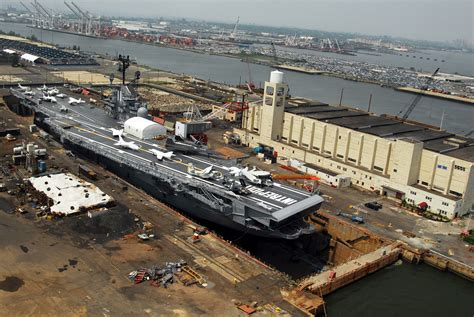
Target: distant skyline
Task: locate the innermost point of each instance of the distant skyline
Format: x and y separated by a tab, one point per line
436	20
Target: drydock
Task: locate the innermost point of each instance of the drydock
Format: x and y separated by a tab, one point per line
272	211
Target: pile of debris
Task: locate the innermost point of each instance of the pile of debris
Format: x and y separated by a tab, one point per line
167	102
164	275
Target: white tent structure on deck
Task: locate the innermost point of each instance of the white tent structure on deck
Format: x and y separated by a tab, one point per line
143	128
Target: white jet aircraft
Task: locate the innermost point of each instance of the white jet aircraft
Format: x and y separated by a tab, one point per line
44	88
54	91
124	144
75	101
23	88
61	95
116	132
253	176
29	93
205	173
49	98
160	154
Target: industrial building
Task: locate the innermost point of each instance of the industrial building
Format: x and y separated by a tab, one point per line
405	161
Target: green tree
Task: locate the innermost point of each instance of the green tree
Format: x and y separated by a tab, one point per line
15	59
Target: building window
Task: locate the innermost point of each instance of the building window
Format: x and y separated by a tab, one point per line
354	172
327	152
459	168
339	167
304	144
452	192
428	198
294	141
316	148
284	138
394	170
413	193
268	101
445	203
269	90
340	156
424	183
344	169
340	137
443	167
351	159
377	168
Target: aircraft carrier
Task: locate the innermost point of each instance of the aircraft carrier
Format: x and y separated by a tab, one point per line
270	209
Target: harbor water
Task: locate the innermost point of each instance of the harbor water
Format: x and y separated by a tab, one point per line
399	290
457	118
404	290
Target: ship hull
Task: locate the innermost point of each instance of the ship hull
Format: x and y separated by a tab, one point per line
161	190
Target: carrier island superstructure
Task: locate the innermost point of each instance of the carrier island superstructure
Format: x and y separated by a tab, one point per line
269	209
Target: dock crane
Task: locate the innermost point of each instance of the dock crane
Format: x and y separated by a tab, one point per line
42	19
233	35
47	14
86	18
26	8
275	57
78	15
418	97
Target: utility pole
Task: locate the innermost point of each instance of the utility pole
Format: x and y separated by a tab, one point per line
340	99
370	103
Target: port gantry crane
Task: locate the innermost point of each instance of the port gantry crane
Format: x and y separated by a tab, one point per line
274	55
418	97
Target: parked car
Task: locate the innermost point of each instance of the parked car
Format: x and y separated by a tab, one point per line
373	205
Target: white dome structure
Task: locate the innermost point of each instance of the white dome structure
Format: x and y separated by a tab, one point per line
143	128
142	112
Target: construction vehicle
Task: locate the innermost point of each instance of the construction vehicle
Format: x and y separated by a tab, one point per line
417	99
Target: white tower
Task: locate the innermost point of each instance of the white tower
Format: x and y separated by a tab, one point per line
273	108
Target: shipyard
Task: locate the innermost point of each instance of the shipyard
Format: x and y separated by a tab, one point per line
230	197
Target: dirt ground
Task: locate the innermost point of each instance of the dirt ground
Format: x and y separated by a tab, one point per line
78	266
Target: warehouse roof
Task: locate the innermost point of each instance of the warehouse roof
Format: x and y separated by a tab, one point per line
385	126
29	57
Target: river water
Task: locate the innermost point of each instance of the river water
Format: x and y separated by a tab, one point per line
405	290
458	116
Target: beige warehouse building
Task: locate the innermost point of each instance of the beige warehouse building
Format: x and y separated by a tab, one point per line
397	159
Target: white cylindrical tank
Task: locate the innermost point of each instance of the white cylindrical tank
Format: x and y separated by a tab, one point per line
276	77
17	150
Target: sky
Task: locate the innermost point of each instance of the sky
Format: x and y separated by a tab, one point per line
439	20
